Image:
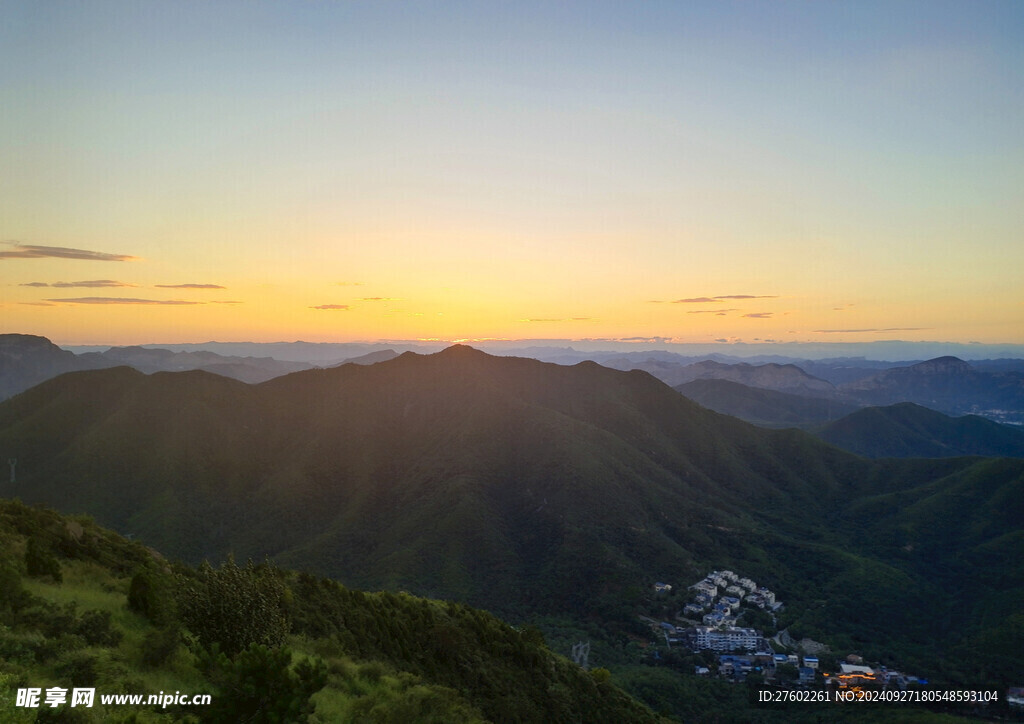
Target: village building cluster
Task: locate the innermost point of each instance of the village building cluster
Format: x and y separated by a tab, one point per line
808	672
731	590
742	651
719	631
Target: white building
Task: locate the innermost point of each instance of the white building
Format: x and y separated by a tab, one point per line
726	639
705	587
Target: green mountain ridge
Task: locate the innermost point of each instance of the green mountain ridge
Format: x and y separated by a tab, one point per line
910	430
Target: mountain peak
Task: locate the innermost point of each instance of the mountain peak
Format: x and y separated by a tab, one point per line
942	365
26	342
462	351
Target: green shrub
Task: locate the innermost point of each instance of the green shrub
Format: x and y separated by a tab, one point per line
94	627
151	594
40	562
160	644
259	685
79	667
234	607
13	596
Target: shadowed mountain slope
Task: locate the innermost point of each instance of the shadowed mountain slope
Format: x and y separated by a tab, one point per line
425	472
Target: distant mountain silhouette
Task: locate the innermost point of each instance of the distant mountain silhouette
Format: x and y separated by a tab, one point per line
27	360
370	358
148	360
771	376
909	430
767	408
946	384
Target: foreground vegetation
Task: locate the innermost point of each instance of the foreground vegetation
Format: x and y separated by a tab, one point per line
81	606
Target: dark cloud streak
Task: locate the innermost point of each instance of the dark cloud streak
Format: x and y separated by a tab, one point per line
707	300
121	300
31	251
92	283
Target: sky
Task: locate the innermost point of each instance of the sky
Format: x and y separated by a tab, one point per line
358	171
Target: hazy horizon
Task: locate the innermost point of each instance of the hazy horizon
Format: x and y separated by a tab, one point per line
885	351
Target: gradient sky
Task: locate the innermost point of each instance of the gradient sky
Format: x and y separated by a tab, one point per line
340	171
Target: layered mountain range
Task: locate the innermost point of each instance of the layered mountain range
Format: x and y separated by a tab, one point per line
524	486
946	384
27	360
904	429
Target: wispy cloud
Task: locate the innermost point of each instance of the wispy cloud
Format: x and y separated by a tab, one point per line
543	319
225	301
706	300
759	315
645	340
336	307
748	296
120	300
32	251
711	311
92	283
349	284
190	286
886	329
381	299
38	304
